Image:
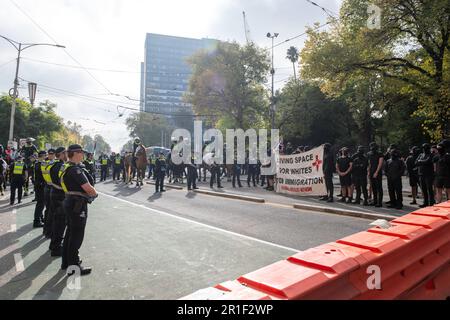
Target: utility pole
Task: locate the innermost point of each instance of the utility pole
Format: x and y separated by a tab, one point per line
14	93
272	72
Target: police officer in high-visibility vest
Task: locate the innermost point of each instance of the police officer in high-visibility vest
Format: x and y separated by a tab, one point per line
151	166
103	166
39	185
89	164
19	173
160	172
117	167
77	185
45	168
56	202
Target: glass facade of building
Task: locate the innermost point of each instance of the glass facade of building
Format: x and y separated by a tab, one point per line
166	72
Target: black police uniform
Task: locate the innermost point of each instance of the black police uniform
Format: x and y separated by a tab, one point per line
215	175
104	162
117	167
160	172
59	219
359	177
412	170
376	183
17	170
251	175
442	179
90	167
39	187
236	170
191	175
76	209
48	216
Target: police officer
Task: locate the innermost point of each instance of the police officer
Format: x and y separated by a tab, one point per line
45	169
160	172
18	173
215	174
412	170
426	175
251	174
103	166
89	164
27	151
376	160
77	185
56	202
359	175
39	186
394	171
191	174
117	167
236	171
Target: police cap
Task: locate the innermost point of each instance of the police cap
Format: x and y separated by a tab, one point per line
60	150
51	151
42	153
75	147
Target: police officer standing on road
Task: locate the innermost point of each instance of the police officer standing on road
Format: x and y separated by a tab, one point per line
103	166
160	172
89	164
117	167
19	173
27	152
191	174
77	185
376	160
426	175
56	199
45	169
236	171
39	186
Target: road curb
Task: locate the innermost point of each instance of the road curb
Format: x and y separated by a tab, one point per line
167	186
345	212
230	195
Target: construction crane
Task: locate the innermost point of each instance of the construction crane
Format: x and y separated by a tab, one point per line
246	29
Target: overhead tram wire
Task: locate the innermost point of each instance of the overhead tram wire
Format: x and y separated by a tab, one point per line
63	92
65	50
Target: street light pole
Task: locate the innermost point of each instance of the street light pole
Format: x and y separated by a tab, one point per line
272	72
15	94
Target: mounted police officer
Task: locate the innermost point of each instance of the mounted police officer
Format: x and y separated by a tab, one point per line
39	187
56	199
77	185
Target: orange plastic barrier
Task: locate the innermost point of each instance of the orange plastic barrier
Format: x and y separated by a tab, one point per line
413	257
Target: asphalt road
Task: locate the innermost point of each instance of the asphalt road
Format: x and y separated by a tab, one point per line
164	246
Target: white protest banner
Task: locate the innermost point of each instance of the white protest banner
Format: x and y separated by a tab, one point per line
301	174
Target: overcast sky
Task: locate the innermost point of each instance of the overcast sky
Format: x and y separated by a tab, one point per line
110	34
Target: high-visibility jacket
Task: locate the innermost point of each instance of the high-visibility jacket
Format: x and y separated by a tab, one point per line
62	172
45	168
117	161
18	168
104	162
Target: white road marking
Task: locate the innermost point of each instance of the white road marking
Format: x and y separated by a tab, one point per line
203	224
19	262
13	228
14	211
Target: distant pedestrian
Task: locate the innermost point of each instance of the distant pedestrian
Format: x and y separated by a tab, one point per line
359	175
413	174
395	167
19	174
160	172
328	170
376	160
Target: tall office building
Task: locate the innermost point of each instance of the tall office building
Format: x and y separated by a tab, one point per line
166	74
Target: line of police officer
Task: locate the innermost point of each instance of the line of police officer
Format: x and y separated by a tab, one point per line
64	186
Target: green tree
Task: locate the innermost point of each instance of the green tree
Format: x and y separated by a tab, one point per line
293	55
148	128
228	83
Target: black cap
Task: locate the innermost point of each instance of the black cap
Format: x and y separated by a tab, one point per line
60	150
75	147
51	150
42	153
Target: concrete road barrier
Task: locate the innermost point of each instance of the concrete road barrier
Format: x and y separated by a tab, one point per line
230	195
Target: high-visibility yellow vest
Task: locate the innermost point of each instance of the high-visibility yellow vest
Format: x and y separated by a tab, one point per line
104	162
117	160
63	172
18	168
46	171
62	169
